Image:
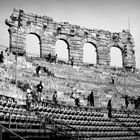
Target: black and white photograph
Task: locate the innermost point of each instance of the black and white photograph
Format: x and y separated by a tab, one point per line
70	69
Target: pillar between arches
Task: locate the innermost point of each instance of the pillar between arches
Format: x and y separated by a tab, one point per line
103	57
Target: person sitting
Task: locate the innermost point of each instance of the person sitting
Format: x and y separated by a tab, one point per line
71	95
45	70
7	51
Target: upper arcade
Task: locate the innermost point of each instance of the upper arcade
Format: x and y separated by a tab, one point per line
48	31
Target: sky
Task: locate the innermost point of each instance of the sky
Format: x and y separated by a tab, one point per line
111	15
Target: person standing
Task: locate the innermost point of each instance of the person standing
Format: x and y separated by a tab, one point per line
109	107
126	101
56	59
49	57
38	68
39	90
1	57
54	97
29	98
72	61
77	101
91	98
113	78
136	103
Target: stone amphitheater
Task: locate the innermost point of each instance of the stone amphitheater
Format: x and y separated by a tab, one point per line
65	120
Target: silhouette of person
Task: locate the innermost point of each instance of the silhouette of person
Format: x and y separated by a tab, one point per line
72	61
77	101
126	101
109	107
29	98
113	78
37	70
49	57
1	57
91	99
54	98
56	59
39	90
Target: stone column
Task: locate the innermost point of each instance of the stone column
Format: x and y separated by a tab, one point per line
17	40
76	50
103	57
48	45
129	57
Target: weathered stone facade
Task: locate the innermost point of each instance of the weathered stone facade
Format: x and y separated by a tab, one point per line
48	31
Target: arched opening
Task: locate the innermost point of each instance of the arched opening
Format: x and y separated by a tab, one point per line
89	54
62	50
115	57
32	45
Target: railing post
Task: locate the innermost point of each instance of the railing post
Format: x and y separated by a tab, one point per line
0	133
13	133
77	131
9	125
26	123
40	124
45	126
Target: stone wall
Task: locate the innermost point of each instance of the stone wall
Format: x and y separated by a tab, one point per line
48	31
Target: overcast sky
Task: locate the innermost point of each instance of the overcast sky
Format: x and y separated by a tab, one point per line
109	15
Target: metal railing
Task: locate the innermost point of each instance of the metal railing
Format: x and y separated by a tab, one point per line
2	127
44	123
63	128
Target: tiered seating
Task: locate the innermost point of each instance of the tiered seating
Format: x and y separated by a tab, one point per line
131	122
67	78
17	118
90	124
86	79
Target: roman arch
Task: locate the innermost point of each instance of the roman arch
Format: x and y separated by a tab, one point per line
48	31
